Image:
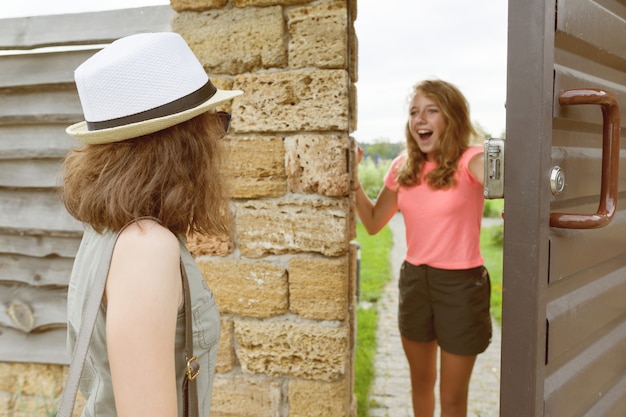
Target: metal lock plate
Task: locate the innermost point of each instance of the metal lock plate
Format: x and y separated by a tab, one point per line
494	168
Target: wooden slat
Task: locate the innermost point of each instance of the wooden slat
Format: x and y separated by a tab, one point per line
35	141
36	211
573	317
612	403
617	7
82	28
46	308
567	56
27	70
50	271
579	19
33	173
571	134
572	251
39	245
45	347
568	78
583	168
578	384
43	105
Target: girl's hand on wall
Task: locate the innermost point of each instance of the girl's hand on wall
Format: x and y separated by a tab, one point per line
359	154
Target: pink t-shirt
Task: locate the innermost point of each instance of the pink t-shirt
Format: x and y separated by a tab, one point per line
442	226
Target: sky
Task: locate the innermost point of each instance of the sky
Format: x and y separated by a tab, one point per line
406	41
401	42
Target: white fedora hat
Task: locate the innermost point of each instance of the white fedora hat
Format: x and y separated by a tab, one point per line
141	84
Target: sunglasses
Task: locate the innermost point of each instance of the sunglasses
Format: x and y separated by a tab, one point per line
224	118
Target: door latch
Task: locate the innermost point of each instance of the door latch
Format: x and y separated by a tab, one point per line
494	168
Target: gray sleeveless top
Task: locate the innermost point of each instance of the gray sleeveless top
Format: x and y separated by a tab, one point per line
95	383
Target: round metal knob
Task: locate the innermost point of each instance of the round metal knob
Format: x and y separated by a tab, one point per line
557	180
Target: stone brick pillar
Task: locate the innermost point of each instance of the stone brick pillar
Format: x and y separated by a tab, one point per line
285	283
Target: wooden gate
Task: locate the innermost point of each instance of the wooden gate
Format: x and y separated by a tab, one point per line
564	299
38	239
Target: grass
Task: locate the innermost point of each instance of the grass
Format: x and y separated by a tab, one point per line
376	271
375	267
491	239
491	248
367	319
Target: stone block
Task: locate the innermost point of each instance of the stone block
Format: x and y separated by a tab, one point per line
352	112
242	396
200	245
226	359
249	289
263	3
318	35
255	165
292	226
32	379
6	404
319	164
318	288
301	350
352	6
352	291
223	84
353	55
292	101
235	41
319	399
182	5
34	406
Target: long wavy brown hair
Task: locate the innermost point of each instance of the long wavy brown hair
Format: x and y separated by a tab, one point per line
455	140
173	175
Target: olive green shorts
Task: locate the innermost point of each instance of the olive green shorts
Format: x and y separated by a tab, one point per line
450	306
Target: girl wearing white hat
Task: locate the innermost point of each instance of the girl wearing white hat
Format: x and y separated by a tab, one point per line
149	167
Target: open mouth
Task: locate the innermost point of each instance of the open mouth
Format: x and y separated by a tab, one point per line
425	134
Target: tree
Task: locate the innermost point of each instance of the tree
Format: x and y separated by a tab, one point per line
383	150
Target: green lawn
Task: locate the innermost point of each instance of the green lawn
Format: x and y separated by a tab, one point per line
374	274
491	248
376	271
491	239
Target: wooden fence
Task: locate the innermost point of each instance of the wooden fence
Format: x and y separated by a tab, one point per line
38	100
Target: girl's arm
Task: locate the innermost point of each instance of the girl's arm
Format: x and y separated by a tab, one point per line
477	167
143	294
375	216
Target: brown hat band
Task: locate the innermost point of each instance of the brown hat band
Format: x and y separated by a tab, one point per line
179	105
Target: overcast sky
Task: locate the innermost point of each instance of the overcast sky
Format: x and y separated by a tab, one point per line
401	42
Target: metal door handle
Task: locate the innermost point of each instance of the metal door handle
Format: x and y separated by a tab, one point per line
610	159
